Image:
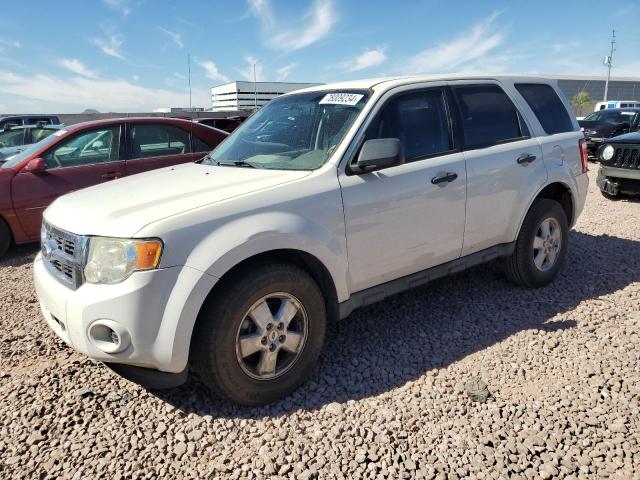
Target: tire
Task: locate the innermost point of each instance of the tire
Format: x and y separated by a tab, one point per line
5	238
247	379
520	267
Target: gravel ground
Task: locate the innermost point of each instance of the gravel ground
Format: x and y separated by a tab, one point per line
389	398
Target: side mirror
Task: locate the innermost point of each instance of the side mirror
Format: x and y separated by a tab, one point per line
35	165
379	153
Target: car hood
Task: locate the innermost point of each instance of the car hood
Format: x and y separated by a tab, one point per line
633	137
122	207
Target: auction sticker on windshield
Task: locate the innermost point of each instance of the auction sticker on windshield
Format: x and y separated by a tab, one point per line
341	99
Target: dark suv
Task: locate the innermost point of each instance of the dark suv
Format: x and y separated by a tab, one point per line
619	172
604	124
18	120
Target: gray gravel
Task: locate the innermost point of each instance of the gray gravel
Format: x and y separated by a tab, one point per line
391	396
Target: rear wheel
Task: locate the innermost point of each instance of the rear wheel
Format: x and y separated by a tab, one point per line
260	334
5	237
541	245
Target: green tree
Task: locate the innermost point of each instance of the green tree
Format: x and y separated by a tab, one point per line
580	101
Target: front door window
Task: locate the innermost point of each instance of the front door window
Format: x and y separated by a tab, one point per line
86	148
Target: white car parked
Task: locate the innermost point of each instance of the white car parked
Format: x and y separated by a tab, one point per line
325	200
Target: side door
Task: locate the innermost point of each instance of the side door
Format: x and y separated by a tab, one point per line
404	219
504	164
156	145
85	158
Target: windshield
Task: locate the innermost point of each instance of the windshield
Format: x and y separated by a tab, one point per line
610	116
30	150
295	132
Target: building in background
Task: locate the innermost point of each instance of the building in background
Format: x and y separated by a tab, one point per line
620	88
238	96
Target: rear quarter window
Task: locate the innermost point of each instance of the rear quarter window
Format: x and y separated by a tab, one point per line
547	107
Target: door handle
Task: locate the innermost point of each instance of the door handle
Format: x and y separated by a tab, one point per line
525	159
110	175
444	178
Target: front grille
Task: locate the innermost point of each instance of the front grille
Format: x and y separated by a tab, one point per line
625	156
63	254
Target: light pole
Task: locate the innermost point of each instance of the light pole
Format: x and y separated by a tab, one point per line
189	77
608	60
255	87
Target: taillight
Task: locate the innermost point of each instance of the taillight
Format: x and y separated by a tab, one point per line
583	154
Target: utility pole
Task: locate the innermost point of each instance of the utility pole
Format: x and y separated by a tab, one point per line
189	77
608	61
255	87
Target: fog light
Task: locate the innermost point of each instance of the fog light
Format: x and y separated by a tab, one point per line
109	336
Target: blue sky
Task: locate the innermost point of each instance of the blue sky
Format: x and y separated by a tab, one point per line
131	55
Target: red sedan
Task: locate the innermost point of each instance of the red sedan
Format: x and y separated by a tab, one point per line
87	154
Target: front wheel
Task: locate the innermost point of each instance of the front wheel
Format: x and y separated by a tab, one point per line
260	334
541	245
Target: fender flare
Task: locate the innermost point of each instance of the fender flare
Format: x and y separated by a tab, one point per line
559	179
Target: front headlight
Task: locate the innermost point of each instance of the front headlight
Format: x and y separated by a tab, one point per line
607	153
112	260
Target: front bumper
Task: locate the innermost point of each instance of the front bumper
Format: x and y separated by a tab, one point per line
614	180
155	309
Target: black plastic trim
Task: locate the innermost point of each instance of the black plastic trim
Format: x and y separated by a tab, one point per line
379	292
148	377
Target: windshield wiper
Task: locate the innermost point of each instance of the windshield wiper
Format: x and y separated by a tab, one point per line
236	163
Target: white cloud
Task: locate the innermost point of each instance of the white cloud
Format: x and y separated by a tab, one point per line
48	92
468	47
121	6
76	66
367	59
247	71
175	37
560	47
283	72
212	72
626	10
10	43
110	45
315	25
262	10
136	78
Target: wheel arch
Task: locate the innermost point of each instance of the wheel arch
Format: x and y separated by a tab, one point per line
559	191
300	258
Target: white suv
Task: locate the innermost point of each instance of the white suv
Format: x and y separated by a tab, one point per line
325	200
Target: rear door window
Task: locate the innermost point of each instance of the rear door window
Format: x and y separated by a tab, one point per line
38	134
158	140
547	106
488	116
